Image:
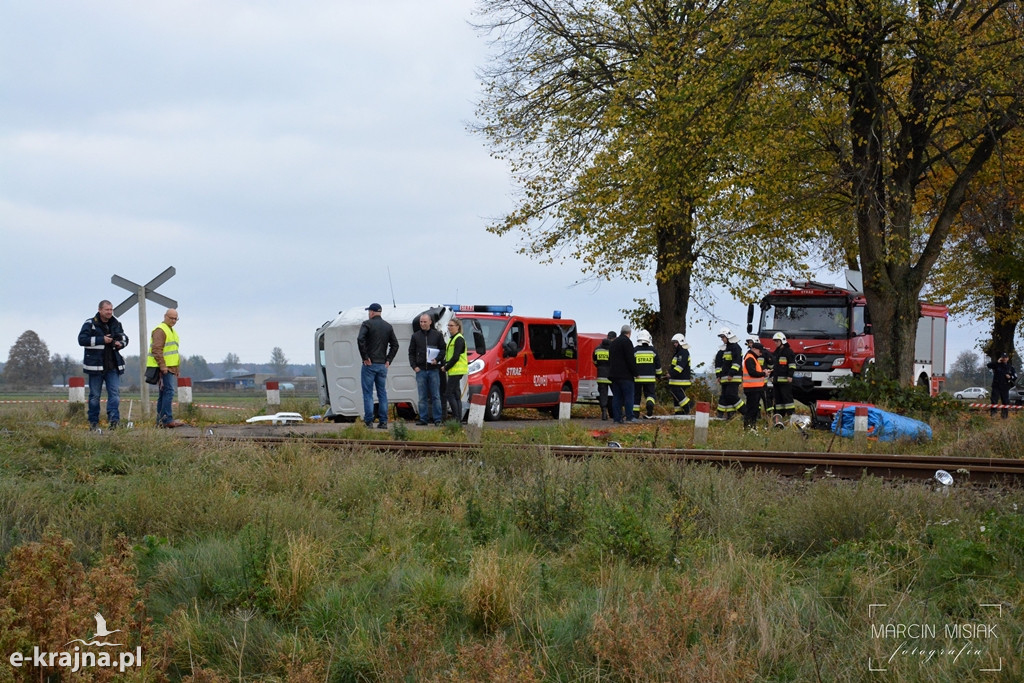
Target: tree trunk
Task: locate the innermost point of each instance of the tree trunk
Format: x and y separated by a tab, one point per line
673	275
894	317
1006	303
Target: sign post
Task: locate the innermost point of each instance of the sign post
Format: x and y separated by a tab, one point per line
139	296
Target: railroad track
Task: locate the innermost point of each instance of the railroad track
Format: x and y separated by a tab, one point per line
792	464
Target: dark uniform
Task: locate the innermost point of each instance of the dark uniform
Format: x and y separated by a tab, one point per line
782	379
729	375
753	385
680	378
603	383
648	369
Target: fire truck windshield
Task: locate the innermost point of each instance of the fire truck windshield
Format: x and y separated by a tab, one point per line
802	318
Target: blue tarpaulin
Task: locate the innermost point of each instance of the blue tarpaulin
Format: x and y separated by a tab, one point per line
882	425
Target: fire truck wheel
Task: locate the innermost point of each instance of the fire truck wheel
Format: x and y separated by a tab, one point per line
495	404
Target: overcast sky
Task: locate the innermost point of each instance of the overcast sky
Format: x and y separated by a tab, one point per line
288	159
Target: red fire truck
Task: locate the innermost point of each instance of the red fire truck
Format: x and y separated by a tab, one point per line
829	330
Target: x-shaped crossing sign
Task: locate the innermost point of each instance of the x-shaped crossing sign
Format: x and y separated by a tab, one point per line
148	292
148	288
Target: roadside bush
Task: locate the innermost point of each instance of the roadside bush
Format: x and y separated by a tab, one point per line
683	633
887	393
50	598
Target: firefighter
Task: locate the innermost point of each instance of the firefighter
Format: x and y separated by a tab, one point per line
729	374
767	362
648	369
603	383
679	375
782	377
753	384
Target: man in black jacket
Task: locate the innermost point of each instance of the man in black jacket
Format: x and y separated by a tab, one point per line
378	346
622	371
425	349
103	338
1003	377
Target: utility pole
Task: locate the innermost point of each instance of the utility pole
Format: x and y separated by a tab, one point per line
139	296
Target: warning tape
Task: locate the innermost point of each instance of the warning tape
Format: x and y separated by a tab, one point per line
994	406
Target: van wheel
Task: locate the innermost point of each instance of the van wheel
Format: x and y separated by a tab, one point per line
495	404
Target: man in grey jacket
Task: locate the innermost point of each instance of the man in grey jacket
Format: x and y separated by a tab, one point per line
378	346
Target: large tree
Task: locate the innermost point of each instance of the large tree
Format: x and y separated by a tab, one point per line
982	273
28	362
618	119
924	91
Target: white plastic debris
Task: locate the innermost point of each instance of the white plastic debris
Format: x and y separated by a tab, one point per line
277	418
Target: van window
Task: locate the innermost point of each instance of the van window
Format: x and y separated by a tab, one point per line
553	342
484	332
514	338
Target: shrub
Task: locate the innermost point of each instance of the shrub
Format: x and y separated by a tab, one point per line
688	633
888	393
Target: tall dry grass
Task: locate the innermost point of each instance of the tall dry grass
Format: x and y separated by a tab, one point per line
296	564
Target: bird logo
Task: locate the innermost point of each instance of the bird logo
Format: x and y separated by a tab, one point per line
101	632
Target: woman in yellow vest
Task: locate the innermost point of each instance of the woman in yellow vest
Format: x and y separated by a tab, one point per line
456	366
163	354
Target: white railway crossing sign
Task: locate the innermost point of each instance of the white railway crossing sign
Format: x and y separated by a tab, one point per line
139	295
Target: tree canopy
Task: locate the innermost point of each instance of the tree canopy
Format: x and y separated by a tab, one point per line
909	98
618	120
714	141
28	362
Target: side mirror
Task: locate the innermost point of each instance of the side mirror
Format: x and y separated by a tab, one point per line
867	329
750	318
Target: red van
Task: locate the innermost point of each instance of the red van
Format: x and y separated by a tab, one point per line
517	361
588	343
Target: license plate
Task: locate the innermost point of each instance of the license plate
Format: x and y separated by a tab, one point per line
802	374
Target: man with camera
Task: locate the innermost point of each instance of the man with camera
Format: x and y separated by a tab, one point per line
103	338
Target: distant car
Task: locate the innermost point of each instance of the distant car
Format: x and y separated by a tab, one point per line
1017	395
972	393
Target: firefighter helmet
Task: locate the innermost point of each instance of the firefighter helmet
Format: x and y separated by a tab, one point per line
780	337
643	337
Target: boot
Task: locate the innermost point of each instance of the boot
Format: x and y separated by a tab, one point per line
604	412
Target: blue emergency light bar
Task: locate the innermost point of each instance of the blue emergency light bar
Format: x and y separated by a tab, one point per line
467	308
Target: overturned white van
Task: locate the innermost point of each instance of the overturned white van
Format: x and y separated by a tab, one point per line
339	366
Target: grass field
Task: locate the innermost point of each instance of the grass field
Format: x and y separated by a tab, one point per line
228	562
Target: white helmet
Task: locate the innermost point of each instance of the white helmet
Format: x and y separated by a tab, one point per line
681	340
643	337
752	340
729	335
779	337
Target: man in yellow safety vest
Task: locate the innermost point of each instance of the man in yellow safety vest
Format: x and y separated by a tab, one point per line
163	354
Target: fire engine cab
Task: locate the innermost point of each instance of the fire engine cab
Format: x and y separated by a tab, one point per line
829	329
517	360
